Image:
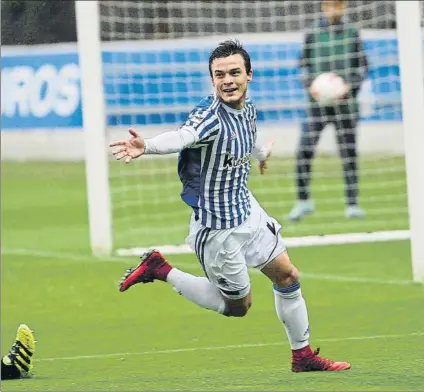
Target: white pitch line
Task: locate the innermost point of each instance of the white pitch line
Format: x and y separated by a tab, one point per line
355	279
190	266
295	242
228	347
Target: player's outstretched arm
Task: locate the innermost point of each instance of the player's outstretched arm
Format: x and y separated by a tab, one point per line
129	149
163	144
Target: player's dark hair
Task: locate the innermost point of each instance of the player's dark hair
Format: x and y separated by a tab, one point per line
228	48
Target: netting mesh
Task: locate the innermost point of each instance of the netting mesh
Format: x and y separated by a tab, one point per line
177	19
157	72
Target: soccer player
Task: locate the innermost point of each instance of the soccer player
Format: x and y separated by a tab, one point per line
18	361
229	230
333	45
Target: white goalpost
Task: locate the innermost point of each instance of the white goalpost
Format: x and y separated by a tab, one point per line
144	64
410	36
94	120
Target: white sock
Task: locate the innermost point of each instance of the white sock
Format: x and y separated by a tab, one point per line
197	289
291	310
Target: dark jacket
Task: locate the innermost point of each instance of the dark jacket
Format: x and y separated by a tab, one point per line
334	48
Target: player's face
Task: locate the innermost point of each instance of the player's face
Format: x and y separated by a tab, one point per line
230	79
333	10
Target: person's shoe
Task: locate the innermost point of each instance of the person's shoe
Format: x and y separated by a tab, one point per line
354	212
21	352
153	266
300	209
306	360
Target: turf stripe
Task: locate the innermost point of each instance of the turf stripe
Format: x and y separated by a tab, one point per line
234	346
190	266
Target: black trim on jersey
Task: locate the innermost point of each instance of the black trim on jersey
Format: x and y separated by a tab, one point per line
200	243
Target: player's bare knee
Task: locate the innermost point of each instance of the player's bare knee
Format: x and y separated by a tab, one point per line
238	308
281	271
288	277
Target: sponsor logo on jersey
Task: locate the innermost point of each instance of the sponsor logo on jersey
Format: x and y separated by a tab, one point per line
231	161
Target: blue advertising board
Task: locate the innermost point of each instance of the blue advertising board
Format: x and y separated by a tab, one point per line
40	91
145	86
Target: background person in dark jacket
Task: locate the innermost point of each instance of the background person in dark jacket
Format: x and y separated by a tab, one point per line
333	45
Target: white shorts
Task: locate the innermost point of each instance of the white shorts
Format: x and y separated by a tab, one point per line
226	254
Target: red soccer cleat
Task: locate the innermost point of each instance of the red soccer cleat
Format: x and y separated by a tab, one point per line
153	266
306	360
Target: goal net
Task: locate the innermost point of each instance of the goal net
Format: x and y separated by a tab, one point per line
155	56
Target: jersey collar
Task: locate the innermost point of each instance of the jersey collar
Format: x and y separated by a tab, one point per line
230	109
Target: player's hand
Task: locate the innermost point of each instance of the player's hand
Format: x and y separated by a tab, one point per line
313	93
129	149
346	93
263	164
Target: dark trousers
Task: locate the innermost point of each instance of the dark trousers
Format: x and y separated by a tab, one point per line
9	372
345	121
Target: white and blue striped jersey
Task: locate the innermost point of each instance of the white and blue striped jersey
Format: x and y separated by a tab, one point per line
214	171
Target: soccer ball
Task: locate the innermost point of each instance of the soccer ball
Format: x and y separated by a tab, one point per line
327	88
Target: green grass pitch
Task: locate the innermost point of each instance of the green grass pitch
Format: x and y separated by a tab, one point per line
362	306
